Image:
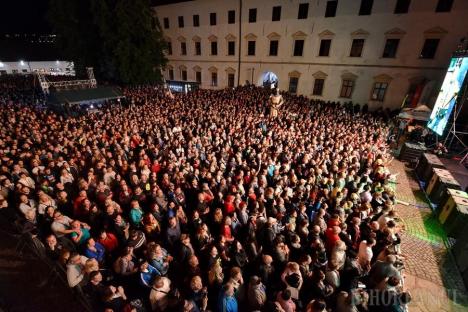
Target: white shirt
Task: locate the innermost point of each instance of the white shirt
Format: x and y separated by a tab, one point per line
365	253
159	299
30	206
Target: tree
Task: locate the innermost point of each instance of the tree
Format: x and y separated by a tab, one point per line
121	39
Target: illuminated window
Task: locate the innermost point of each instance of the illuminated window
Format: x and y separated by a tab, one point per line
347	88
378	91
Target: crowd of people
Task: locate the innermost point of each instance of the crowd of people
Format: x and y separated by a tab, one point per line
204	202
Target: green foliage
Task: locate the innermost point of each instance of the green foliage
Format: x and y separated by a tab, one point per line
121	39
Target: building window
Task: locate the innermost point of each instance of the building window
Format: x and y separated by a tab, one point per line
391	46
171	74
318	86
231	17
429	49
303	11
181	21
231	48
15	71
214	48
379	90
293	82
298	47
444	6
325	47
198	76
252	15
366	7
273	47
347	88
184	75
402	6
251	47
330	11
231	80
169	48
183	48
166	22
197	48
356	48
196	20
276	13
3	72
212	19
214	79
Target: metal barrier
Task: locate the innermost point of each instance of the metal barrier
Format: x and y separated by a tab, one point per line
28	243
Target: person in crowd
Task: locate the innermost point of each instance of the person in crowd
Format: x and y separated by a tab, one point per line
114	298
76	270
159	295
94	250
147	274
227	300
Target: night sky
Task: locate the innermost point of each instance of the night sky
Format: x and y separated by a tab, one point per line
29	16
24	16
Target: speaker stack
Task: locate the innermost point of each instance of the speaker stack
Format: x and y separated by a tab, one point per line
441	181
454	215
411	151
426	163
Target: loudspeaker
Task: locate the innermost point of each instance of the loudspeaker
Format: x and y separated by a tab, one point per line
441	181
426	163
454	216
411	151
450	193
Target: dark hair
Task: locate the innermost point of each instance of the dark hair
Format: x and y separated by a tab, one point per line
293	280
393	281
108	293
319	305
405	297
93	274
286	294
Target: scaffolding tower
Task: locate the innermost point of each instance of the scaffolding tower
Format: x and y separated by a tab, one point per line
63	85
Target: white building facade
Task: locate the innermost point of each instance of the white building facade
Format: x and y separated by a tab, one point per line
55	68
379	52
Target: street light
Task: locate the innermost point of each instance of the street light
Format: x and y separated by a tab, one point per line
2	65
21	62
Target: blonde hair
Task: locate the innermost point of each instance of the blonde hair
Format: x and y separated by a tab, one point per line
196	282
215	273
91	265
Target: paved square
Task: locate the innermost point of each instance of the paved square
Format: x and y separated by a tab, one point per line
431	273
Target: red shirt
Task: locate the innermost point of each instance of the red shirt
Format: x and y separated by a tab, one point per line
110	243
227	231
155	168
331	238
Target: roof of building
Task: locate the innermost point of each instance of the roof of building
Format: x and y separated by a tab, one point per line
165	2
85	95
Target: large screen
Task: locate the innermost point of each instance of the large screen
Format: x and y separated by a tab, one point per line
448	94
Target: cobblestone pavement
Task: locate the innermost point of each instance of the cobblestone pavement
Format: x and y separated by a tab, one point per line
431	273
